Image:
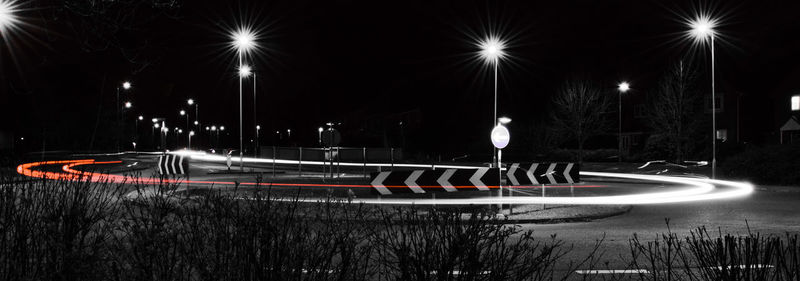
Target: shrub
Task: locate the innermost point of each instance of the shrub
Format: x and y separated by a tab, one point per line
765	165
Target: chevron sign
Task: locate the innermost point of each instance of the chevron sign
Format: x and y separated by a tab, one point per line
422	181
542	173
170	164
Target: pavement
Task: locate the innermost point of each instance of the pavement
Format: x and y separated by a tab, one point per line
768	211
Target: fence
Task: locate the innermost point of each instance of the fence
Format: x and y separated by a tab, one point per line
332	157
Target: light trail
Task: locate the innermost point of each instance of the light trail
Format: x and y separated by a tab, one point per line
692	189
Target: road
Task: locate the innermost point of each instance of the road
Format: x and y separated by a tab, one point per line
768	211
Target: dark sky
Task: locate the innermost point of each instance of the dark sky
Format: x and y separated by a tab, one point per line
361	61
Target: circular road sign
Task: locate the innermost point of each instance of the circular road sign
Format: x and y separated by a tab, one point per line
500	136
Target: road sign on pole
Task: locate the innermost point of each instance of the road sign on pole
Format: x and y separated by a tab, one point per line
500	136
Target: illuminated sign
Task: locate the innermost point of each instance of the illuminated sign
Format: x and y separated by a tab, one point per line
500	136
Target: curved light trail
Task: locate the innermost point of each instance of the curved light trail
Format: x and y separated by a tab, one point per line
692	189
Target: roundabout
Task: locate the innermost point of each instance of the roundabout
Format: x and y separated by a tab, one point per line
681	189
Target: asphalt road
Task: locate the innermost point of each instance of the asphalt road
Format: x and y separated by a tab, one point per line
768	211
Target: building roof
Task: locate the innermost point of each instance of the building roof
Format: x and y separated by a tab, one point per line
791	125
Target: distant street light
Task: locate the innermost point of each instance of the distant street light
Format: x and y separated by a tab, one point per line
492	50
183	113
319	130
258	128
128	104
702	31
136	128
189	146
244	42
191	102
622	88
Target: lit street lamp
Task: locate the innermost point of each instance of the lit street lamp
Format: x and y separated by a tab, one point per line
244	42
702	31
8	19
186	115
136	128
191	133
258	128
622	88
191	102
126	86
319	130
492	50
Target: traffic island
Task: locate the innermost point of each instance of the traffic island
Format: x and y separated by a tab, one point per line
564	213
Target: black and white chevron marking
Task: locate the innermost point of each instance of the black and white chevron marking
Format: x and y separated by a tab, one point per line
170	164
447	180
542	173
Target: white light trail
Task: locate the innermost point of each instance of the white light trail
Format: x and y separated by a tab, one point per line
693	189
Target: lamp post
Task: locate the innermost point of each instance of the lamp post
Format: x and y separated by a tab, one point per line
191	102
702	31
244	42
216	136
500	138
136	128
492	50
319	132
191	133
258	128
125	86
244	72
183	113
622	88
255	110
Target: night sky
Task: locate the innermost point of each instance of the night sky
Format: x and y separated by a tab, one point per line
364	63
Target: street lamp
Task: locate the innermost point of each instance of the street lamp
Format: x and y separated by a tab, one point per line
319	131
244	42
128	104
191	133
136	127
702	32
491	51
622	88
126	86
183	113
258	128
191	102
7	17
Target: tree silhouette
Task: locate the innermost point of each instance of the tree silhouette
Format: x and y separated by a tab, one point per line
674	108
578	111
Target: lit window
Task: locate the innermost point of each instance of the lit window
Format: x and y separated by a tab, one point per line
795	103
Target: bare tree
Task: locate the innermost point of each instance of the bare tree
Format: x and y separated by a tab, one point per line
578	111
124	26
674	108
